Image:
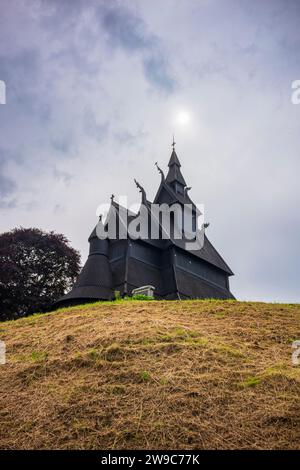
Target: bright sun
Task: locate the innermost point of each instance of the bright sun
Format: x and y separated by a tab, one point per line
183	118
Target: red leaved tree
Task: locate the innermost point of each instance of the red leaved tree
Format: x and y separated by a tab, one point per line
36	268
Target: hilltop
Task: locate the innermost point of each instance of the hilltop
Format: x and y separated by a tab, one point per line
149	374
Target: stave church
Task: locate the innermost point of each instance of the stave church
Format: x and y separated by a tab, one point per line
123	264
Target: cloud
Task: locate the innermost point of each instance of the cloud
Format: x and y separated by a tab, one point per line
7	185
128	31
124	28
155	68
63	176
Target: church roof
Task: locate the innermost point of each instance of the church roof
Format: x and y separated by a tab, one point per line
174	160
207	253
174	173
174	197
190	286
94	281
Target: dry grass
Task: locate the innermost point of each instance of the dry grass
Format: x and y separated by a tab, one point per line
163	375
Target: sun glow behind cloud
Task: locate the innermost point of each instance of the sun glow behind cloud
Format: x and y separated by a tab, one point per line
183	118
185	123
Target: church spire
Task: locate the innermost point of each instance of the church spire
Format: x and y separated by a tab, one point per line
174	176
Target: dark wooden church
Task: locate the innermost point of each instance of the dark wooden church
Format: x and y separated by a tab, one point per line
175	272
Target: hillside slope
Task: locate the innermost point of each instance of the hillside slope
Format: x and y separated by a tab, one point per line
163	375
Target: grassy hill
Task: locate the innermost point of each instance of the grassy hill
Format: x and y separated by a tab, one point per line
147	374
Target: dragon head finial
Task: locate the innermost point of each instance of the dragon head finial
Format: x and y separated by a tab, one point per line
160	171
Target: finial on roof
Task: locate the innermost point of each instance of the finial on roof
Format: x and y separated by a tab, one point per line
173	143
160	171
186	189
141	191
112	197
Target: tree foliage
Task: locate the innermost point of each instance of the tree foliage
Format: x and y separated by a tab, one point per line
36	268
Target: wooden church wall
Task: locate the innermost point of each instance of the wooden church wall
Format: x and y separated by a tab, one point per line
201	269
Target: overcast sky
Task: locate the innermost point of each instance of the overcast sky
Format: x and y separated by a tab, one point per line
95	90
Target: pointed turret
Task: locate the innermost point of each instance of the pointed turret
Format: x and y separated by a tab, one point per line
95	279
173	188
174	176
